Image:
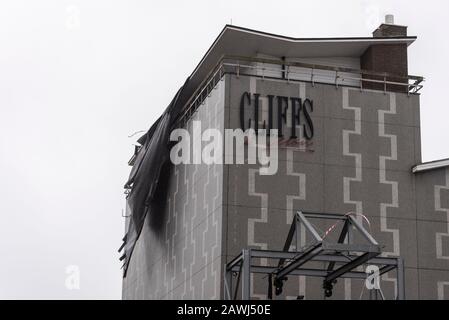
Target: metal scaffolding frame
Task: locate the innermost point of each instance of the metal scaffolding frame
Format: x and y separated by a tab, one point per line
341	257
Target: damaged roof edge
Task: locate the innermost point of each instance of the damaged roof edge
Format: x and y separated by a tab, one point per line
287	38
212	55
432	165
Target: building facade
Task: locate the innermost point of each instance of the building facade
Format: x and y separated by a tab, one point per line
356	149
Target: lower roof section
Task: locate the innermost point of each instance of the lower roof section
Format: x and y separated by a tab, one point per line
432	165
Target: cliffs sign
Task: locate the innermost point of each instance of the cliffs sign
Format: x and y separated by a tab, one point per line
285	114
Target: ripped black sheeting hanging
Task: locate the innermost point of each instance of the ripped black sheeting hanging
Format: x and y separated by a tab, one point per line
145	178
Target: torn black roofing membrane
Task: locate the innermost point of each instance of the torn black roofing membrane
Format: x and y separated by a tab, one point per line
148	177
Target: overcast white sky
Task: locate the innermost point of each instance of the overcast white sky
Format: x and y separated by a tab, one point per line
77	77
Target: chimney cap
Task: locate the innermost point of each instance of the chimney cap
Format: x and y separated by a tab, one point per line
389	19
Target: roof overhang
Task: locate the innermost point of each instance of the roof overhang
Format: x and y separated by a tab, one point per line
433	165
238	41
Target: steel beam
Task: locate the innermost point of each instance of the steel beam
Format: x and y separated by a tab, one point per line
362	230
309	227
298	230
307	272
291	233
238	281
299	261
319	215
237	260
386	269
342	247
228	284
341	239
349	266
400	279
273	254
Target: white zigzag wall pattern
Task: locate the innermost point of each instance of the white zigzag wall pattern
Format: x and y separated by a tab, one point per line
300	196
252	221
383	178
358	166
357	156
264	198
178	272
440	288
217	217
394	184
252	192
290	198
440	235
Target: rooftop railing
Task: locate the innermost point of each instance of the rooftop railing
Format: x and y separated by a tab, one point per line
298	72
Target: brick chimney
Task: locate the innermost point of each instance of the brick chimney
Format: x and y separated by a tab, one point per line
387	58
389	29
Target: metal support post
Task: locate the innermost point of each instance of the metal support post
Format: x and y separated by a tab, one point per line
246	277
228	285
400	279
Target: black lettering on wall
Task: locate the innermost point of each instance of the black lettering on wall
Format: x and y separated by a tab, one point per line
242	108
256	112
300	114
308	126
270	113
282	113
296	103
